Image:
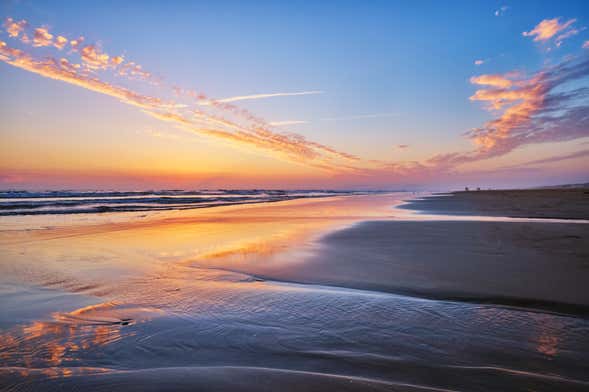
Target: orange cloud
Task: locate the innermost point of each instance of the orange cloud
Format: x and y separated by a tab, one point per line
14	28
41	37
532	111
116	60
492	80
291	147
64	71
75	43
548	28
93	57
60	42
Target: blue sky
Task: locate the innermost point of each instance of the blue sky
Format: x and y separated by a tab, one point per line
393	73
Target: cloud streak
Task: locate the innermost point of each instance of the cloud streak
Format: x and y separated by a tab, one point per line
263	96
288	122
360	117
558	158
221	121
549	105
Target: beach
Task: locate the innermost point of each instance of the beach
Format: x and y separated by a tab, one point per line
396	292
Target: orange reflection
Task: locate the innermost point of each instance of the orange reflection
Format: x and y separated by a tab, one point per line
549	331
50	344
165	260
90	256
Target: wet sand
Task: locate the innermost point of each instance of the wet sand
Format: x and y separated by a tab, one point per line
565	203
208	300
537	265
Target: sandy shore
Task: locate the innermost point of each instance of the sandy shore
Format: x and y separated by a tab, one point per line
174	301
525	264
531	264
527	203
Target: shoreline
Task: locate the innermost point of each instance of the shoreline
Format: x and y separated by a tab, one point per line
533	264
565	204
177	299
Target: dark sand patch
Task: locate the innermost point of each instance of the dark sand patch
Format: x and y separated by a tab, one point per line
526	203
531	264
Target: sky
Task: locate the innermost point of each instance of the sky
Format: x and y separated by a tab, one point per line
293	94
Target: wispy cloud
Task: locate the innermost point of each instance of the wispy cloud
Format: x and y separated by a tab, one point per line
552	28
286	123
221	120
549	105
479	62
540	108
402	146
557	158
501	10
262	96
360	116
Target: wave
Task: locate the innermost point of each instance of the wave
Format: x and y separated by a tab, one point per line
14	202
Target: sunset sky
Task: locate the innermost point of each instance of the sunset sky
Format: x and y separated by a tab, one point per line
297	94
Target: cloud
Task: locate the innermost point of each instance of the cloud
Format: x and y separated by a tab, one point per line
586	45
549	106
60	42
549	28
262	96
502	81
41	37
93	57
67	72
131	69
402	146
248	132
14	28
360	116
75	43
285	123
558	158
479	62
559	39
501	11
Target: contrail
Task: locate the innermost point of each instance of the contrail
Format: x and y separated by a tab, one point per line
263	96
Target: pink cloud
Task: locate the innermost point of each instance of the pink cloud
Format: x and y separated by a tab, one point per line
41	37
14	28
60	42
548	28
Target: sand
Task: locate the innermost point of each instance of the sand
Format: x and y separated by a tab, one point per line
205	300
527	203
525	264
542	265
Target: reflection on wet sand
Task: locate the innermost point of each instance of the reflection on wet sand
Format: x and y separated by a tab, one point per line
49	344
179	295
87	258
